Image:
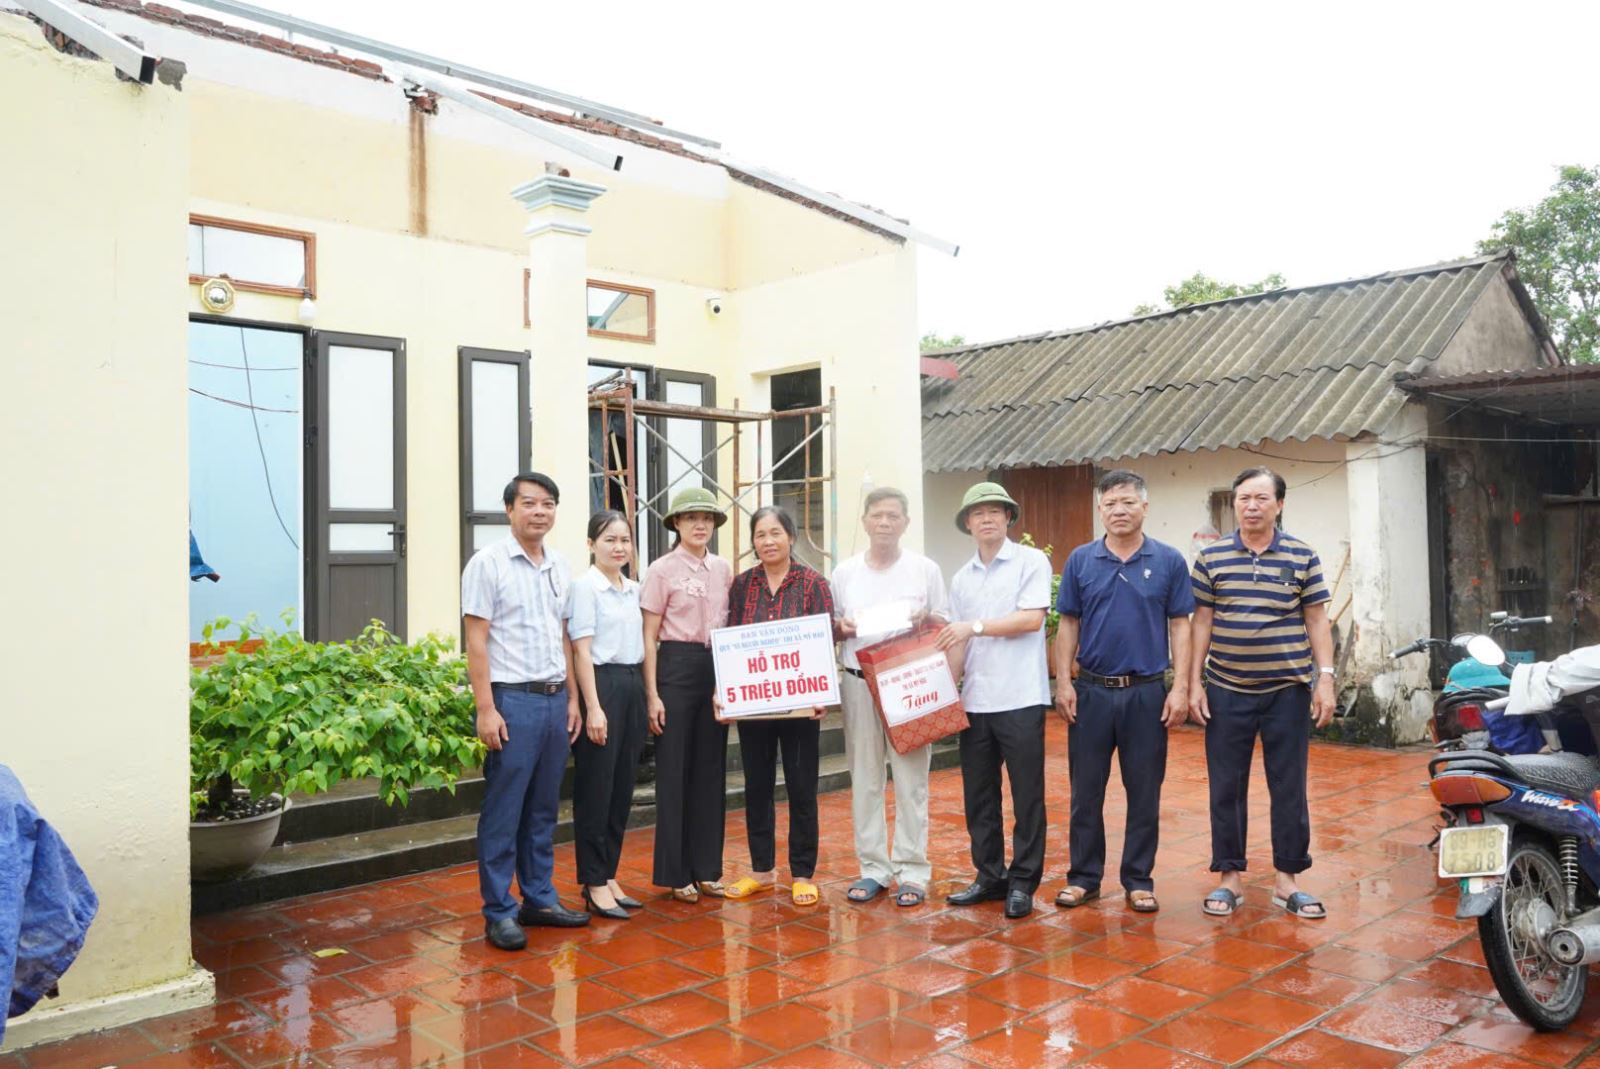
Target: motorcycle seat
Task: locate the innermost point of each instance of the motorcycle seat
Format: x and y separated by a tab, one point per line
1564	773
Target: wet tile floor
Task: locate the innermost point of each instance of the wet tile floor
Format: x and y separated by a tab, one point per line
1389	979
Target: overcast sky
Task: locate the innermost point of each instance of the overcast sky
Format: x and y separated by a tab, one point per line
1086	157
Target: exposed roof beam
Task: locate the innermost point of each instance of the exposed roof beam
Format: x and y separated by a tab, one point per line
839	204
397	54
544	131
126	56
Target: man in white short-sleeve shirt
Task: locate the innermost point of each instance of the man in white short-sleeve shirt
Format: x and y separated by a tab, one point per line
885	581
998	601
515	597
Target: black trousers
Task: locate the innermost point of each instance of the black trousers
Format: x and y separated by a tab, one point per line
1127	721
759	744
1283	720
691	769
1014	739
602	785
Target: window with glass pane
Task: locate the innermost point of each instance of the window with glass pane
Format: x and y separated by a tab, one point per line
253	257
617	311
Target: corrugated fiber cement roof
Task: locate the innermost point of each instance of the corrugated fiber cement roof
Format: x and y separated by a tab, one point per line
1315	362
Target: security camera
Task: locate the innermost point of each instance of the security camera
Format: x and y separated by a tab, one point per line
714	304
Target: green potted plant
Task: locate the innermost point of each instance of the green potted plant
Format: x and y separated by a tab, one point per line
296	717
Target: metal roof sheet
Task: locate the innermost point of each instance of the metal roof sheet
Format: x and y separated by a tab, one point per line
1315	362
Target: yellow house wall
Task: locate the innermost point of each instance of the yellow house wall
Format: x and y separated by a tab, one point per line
437	260
93	422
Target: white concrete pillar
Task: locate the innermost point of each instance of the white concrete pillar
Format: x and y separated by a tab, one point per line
558	262
1387	578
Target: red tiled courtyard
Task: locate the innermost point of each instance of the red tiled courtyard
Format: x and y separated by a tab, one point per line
1390	978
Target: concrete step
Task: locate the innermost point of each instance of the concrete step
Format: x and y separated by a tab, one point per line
325	863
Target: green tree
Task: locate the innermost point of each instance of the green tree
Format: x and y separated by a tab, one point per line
1200	288
931	341
1557	244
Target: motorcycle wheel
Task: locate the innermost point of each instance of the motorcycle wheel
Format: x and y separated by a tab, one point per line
1543	993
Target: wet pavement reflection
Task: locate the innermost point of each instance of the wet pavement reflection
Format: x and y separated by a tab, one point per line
396	974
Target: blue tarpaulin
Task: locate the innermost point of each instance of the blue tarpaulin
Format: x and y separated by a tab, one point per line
198	568
46	903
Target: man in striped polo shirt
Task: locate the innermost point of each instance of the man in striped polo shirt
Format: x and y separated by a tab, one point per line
1263	651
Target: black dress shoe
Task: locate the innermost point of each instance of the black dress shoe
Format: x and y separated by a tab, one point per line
505	934
975	893
629	903
556	916
1019	903
614	913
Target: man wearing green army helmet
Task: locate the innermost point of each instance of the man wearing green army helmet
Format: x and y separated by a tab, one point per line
998	601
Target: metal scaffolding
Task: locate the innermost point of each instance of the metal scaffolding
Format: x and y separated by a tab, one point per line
618	467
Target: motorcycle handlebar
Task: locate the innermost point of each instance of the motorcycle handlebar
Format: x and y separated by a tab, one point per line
1405	651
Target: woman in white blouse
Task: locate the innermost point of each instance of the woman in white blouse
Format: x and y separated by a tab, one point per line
608	647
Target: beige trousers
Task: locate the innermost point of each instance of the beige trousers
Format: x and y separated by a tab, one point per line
866	749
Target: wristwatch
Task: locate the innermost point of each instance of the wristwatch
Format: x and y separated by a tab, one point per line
977	627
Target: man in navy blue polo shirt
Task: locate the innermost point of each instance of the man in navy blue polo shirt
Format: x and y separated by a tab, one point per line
1125	602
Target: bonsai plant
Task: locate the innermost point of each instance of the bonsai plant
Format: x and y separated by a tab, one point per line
293	716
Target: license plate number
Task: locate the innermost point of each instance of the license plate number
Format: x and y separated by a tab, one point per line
1480	851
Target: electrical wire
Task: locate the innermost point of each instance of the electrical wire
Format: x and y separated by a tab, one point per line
240	367
261	448
242	404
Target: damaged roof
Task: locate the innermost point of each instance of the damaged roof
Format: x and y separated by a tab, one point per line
364	68
1292	364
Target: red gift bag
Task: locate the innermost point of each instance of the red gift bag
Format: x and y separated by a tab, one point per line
924	704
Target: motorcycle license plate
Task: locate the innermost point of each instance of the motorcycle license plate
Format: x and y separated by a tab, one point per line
1476	851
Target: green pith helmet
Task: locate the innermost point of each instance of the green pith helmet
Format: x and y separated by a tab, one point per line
694	499
985	494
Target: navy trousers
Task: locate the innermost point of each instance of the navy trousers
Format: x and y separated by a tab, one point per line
522	790
1014	739
1283	720
1127	721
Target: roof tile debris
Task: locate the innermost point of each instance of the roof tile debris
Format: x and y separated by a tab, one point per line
1289	365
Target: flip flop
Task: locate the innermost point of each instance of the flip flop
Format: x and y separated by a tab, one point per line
804	893
1141	901
1224	899
865	890
690	893
744	887
711	888
1071	897
1298	903
910	895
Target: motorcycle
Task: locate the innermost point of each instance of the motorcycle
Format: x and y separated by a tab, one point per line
1459	720
1523	840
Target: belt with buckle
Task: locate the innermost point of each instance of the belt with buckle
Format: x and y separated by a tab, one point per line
1118	682
536	687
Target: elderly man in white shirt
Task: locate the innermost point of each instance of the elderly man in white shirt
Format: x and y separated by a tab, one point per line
998	601
896	582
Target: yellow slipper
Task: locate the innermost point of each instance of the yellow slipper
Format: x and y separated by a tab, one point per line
804	893
744	887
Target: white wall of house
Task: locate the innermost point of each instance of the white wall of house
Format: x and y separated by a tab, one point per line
92	421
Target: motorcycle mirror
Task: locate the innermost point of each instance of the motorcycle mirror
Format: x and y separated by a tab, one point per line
1484	650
